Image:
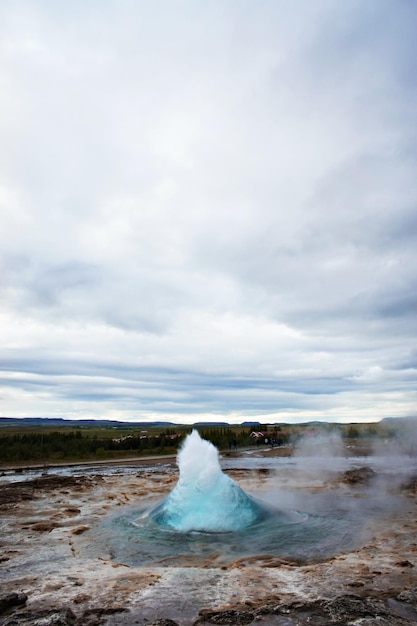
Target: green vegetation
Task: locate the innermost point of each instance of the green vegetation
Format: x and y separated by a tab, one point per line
44	444
80	444
64	444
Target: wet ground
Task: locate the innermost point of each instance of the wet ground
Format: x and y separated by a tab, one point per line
70	555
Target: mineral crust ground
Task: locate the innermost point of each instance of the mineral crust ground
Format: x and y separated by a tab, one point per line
51	573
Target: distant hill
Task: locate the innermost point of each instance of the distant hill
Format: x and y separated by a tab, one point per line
205	424
406	418
61	422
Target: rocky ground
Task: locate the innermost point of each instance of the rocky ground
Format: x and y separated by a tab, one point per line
50	575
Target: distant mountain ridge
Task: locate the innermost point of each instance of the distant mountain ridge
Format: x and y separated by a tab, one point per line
99	423
60	421
91	423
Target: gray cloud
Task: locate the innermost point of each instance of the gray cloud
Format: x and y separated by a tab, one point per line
208	210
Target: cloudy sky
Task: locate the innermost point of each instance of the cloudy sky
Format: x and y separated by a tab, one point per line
208	210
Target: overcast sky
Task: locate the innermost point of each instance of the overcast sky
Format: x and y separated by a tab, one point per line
208	210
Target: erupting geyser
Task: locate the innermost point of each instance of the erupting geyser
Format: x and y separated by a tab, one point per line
207	515
204	498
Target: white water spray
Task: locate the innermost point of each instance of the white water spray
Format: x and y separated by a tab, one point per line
204	498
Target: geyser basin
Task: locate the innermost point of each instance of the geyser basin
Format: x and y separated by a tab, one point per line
128	537
204	498
207	517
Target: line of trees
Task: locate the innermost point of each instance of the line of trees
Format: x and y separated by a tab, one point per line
89	444
76	445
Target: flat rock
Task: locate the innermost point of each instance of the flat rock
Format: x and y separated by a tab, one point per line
11	600
64	617
358	476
